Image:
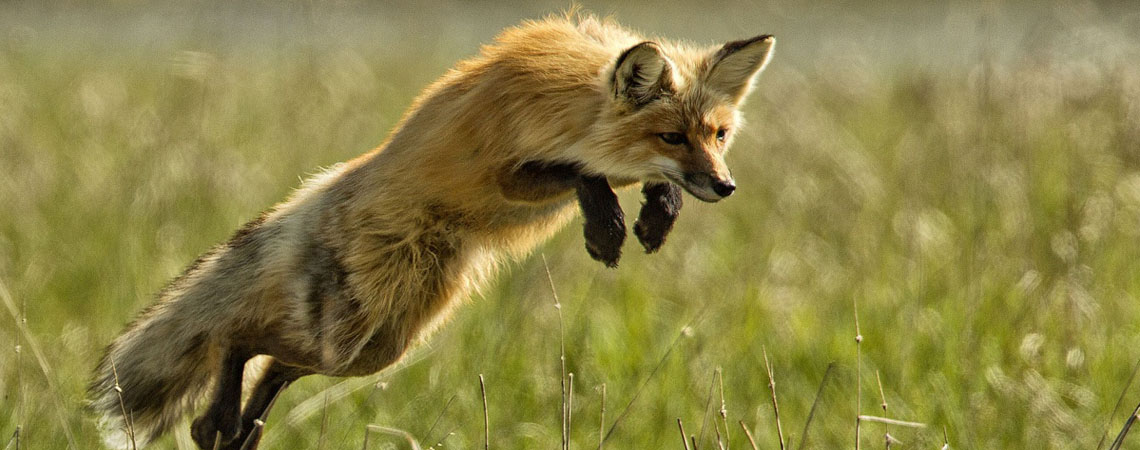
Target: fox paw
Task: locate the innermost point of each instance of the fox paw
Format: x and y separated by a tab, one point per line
658	213
606	253
604	227
210	434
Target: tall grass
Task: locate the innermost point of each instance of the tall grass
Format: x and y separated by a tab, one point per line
984	216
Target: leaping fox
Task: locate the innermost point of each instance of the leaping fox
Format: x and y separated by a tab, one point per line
367	258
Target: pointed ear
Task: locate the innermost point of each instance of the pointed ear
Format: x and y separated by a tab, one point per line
642	74
733	68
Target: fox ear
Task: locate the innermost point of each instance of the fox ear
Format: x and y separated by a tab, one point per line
733	68
641	74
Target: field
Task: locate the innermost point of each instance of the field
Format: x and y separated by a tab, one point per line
966	177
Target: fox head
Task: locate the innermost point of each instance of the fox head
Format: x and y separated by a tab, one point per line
672	112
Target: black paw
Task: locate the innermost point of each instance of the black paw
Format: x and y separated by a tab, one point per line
661	207
604	226
210	434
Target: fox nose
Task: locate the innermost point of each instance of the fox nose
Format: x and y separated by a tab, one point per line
723	188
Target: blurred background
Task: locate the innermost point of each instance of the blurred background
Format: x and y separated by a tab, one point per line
966	173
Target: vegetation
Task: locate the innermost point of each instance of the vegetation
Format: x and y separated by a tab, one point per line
983	216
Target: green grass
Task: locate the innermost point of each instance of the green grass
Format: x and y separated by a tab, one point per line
985	218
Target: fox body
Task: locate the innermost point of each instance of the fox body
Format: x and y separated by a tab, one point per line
368	257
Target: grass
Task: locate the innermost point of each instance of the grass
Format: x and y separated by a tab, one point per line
984	217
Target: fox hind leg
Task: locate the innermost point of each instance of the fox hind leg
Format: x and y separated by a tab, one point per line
277	377
221	422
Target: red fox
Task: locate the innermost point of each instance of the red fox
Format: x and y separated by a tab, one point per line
366	259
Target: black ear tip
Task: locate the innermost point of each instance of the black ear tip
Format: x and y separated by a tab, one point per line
766	38
733	46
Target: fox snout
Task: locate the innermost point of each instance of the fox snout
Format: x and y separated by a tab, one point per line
709	187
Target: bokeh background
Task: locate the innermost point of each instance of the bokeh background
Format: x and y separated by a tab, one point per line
964	174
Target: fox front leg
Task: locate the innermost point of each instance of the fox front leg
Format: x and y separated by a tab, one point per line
538	181
604	226
658	212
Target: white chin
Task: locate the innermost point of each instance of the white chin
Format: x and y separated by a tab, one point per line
704	196
701	193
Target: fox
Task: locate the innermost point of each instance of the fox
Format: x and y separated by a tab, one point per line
368	257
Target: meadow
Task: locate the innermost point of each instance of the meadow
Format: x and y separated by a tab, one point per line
971	189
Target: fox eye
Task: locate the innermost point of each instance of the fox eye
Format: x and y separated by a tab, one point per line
721	134
673	138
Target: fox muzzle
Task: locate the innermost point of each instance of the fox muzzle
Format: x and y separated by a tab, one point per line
708	187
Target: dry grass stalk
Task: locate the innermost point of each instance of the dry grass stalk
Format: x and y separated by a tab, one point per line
684	437
14	441
723	405
440	442
561	357
486	415
657	368
300	413
775	404
313	404
437	419
21	320
748	434
21	412
122	406
569	408
371	428
1116	443
815	404
602	419
259	423
858	374
1119	401
258	428
364	446
719	440
708	407
884	420
324	424
886	430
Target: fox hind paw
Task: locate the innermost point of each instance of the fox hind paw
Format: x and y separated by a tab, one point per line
209	434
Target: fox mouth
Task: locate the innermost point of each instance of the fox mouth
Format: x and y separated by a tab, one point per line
704	187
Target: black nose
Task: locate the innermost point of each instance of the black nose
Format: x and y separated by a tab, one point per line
723	188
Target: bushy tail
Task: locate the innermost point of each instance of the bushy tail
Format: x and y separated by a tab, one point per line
151	375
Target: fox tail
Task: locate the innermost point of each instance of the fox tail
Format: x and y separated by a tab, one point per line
151	375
